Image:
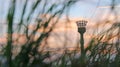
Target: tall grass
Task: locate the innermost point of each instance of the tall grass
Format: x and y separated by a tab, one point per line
103	50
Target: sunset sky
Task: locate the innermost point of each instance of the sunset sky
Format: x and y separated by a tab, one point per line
87	9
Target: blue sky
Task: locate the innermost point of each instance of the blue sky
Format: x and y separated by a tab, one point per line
87	8
83	8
